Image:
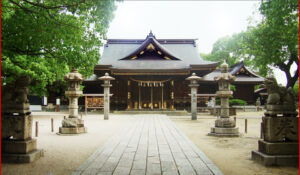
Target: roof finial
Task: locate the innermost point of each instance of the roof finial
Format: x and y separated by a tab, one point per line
150	34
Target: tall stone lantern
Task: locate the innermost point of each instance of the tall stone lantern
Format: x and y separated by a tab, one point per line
224	125
72	124
194	85
106	78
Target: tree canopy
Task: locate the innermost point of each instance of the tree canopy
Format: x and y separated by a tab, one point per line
46	39
229	48
273	42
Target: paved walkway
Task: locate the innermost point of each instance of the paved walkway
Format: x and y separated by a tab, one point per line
150	145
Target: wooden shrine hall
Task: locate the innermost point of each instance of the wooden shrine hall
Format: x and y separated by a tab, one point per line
150	73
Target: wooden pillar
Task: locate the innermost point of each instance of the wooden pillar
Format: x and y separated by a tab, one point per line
162	96
128	95
151	96
140	105
172	95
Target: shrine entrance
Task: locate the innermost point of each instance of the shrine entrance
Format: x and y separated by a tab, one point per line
150	95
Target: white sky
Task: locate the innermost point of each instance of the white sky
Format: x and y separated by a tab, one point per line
205	20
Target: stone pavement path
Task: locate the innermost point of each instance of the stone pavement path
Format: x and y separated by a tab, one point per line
150	145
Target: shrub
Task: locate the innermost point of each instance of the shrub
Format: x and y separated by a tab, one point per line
232	101
238	102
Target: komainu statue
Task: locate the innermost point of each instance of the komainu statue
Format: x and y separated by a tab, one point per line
281	100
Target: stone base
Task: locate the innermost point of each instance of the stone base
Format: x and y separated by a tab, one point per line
276	153
75	130
278	148
225	122
272	160
21	158
224	132
18	147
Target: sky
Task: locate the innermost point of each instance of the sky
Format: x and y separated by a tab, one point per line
206	21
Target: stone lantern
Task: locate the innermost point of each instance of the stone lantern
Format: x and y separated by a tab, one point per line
224	125
194	85
106	78
72	124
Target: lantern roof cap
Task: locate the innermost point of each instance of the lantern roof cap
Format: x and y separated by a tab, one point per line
74	75
106	77
193	77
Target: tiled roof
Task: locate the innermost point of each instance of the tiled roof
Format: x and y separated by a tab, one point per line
183	54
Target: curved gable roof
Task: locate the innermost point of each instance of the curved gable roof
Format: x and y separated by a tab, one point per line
150	45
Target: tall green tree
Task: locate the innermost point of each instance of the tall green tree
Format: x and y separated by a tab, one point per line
229	48
275	41
46	39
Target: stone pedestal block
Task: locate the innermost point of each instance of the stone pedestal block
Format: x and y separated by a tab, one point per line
224	132
72	126
278	148
75	130
17	126
16	151
22	158
18	147
277	129
225	122
275	160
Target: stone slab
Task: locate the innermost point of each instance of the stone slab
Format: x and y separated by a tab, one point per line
77	130
22	158
18	147
224	132
275	160
18	126
276	129
278	148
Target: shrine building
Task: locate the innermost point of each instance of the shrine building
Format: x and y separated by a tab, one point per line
150	74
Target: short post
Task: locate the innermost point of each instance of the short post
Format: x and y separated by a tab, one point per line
246	125
36	129
234	119
52	125
194	85
261	130
64	117
106	78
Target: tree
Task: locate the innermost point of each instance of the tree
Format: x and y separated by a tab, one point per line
275	41
229	48
46	39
